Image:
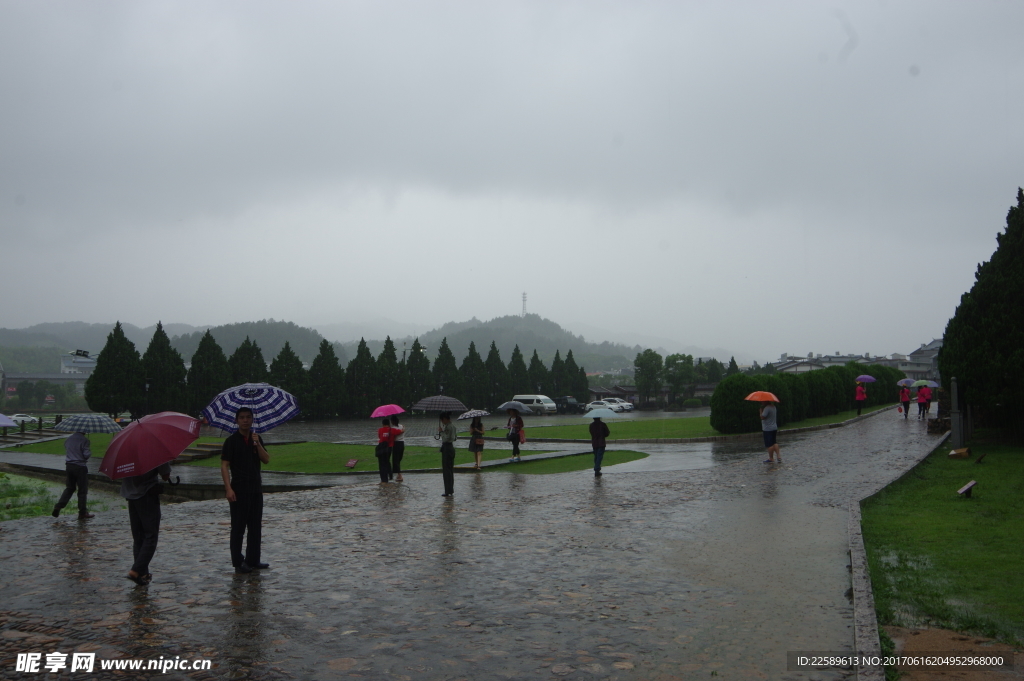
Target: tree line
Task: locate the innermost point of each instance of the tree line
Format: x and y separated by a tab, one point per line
822	392
678	372
158	380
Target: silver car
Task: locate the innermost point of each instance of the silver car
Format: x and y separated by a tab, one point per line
24	418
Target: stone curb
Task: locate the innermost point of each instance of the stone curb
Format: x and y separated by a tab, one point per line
709	438
865	620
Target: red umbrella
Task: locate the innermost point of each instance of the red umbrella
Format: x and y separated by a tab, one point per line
149	442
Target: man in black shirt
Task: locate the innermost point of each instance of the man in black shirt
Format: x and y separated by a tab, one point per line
240	468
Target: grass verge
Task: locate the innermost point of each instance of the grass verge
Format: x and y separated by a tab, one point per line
940	560
98	443
22	497
671	428
567	464
325	457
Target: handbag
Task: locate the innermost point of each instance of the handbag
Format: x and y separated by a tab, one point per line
522	436
478	441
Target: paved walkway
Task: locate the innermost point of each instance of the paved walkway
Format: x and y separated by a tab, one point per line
671	574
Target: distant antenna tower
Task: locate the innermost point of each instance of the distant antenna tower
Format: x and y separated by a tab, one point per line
524	303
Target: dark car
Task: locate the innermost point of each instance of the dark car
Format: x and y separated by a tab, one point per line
568	405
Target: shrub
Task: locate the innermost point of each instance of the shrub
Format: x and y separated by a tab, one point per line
775	384
730	413
819	393
798	396
673	407
692	402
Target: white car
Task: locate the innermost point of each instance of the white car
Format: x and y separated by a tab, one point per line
604	404
626	406
24	418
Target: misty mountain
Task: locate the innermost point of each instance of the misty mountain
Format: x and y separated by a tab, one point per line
83	336
530	333
269	334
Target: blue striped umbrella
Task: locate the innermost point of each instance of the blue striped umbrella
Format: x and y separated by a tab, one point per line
270	407
88	423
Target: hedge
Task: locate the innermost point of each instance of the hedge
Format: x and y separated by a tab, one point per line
801	396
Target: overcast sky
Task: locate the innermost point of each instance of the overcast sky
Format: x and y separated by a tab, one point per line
762	177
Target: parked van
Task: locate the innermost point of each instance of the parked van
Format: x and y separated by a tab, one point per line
538	404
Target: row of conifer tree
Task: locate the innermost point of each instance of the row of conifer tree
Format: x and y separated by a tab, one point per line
158	380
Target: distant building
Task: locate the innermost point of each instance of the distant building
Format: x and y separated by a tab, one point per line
922	364
77	362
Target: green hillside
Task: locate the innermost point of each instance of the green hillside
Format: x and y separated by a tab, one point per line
269	334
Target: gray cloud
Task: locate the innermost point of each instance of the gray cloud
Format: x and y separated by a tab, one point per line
703	147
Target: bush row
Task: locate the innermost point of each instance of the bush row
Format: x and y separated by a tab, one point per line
823	392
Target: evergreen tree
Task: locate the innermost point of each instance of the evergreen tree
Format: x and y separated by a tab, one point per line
421	381
497	378
982	346
164	371
402	390
582	391
571	374
679	375
326	385
388	375
540	377
447	380
649	375
557	385
209	374
518	375
117	383
733	367
361	382
475	383
286	373
247	364
715	369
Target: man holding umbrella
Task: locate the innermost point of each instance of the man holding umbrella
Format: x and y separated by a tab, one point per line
76	456
240	469
143	495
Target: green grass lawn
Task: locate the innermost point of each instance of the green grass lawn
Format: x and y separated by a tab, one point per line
938	559
668	428
566	464
325	457
23	497
98	444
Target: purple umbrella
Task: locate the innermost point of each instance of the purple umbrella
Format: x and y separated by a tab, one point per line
864	378
6	422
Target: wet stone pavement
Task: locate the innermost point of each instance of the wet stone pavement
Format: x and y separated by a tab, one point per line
672	574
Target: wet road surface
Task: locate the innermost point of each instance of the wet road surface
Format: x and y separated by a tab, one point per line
670	574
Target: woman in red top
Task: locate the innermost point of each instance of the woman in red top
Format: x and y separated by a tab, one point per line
383	452
905	400
862	396
922	399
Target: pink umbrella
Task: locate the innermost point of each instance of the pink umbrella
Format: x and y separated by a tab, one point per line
6	422
386	410
149	442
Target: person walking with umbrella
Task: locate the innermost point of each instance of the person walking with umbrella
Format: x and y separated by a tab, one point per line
383	450
143	495
515	429
861	397
76	454
770	430
397	447
448	434
598	432
240	460
476	439
905	400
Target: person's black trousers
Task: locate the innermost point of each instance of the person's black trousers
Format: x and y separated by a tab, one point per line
448	467
514	439
77	476
384	465
906	409
397	452
144	515
860	405
246	520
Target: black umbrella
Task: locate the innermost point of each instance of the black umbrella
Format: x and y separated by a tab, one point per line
440	403
518	406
